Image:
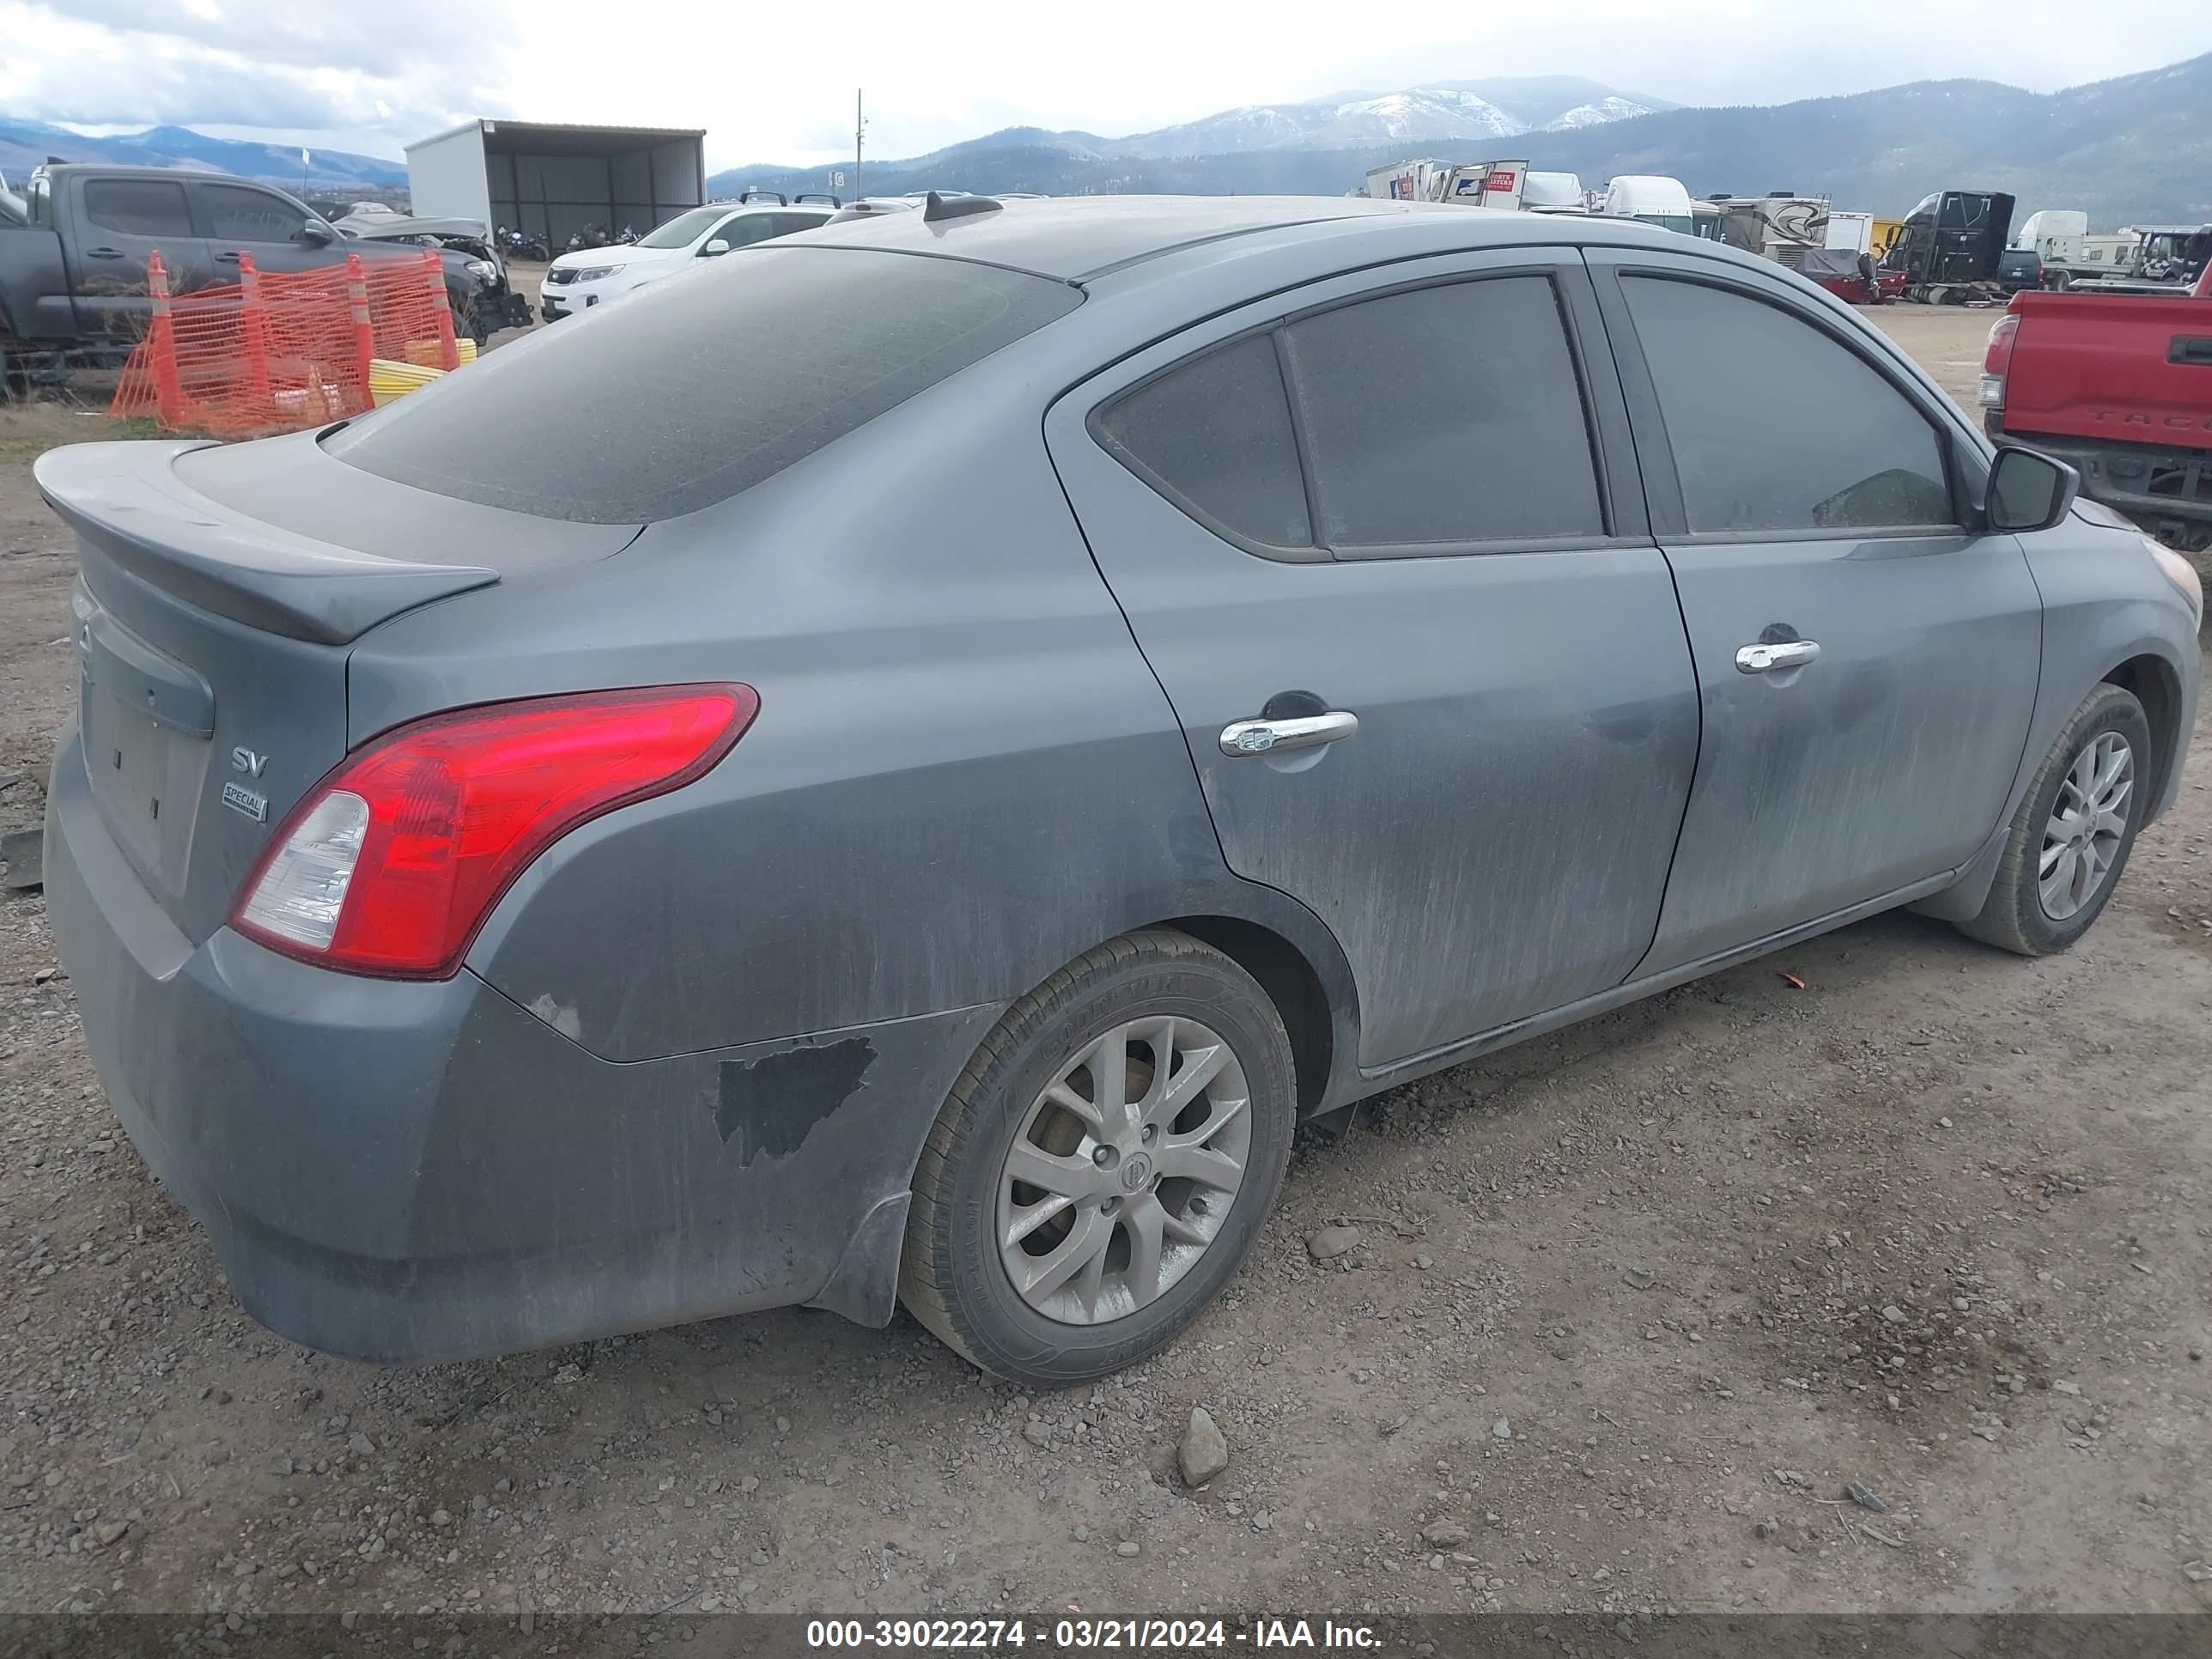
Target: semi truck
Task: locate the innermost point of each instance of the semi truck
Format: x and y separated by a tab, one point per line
1953	246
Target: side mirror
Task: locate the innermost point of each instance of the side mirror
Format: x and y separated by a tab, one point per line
315	233
718	245
2029	491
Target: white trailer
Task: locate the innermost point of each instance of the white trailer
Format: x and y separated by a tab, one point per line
1401	181
1852	232
2049	223
2065	252
1471	184
1553	193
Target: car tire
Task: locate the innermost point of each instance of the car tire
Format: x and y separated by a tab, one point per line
1129	997
2018	914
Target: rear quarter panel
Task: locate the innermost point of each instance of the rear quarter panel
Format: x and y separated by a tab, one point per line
963	773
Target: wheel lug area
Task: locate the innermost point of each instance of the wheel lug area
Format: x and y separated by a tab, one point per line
1151	1133
1106	1157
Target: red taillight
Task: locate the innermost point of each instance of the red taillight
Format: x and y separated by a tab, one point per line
1998	357
1997	361
391	864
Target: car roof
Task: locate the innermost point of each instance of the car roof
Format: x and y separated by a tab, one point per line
1075	238
124	170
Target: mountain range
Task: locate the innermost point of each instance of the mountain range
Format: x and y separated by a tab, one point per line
2134	150
1275	144
25	144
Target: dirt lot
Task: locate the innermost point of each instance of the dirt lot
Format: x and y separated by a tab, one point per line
1629	1307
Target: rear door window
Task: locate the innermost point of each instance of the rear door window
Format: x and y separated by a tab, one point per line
702	388
1777	426
238	215
1213	435
137	207
1445	415
746	228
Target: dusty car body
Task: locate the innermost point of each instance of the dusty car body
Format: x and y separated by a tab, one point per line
1158	669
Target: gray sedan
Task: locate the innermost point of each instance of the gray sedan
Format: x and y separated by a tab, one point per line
899	765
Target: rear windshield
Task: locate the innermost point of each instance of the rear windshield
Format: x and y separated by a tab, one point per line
696	387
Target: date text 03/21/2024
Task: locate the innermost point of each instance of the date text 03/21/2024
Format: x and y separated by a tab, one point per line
991	1635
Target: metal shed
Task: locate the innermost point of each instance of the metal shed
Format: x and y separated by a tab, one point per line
551	178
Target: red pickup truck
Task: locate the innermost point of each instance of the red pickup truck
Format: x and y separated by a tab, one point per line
2120	386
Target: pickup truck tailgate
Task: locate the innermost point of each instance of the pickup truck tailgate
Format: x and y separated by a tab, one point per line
2127	368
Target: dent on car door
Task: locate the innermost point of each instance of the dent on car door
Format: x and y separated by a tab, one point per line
1867	659
1427	660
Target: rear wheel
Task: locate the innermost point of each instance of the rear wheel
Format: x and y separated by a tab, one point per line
1103	1165
2070	838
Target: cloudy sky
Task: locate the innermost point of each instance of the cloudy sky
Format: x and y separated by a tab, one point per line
777	83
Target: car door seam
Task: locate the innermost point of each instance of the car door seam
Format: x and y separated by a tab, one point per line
1682	616
1174	714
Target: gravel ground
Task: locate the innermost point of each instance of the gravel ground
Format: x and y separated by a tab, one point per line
1608	1321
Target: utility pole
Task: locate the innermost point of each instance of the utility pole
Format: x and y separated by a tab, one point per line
860	126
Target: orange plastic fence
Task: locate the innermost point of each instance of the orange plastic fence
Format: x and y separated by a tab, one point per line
277	351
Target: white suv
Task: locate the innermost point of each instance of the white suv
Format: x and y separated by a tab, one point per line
592	276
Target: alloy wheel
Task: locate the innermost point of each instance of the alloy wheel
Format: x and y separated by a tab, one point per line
2088	821
1123	1169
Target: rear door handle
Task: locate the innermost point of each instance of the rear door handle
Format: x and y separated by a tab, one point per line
229	256
2188	349
103	253
1783	653
1264	737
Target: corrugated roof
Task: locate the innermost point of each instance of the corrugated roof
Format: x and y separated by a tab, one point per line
566	136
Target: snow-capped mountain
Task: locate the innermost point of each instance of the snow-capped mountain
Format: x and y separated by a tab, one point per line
1357	120
1616	108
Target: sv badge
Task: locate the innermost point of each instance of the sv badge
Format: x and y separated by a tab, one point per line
243	759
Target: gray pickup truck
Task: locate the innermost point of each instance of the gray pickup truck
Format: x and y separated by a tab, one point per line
74	247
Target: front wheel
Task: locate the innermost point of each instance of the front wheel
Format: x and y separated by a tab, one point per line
2070	838
1103	1165
468	322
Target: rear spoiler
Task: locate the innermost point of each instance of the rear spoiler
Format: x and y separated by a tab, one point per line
126	500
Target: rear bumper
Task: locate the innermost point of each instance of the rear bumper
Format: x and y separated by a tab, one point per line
410	1172
2146	481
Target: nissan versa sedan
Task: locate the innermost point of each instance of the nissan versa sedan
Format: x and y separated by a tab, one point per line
899	764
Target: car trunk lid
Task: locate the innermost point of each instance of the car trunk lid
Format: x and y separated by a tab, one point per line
213	616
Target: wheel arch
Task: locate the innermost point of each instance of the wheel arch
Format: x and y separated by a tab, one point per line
1291	984
2156	685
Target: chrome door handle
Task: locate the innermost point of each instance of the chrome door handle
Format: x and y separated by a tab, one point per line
1263	737
1785	653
